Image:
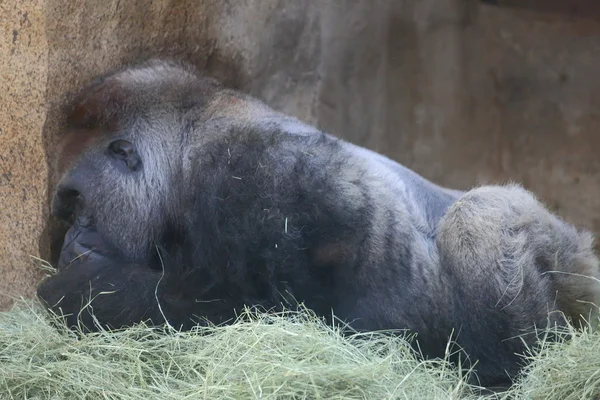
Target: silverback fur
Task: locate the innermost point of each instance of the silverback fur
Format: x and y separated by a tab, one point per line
188	201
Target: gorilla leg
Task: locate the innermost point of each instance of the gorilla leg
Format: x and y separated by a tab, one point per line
511	264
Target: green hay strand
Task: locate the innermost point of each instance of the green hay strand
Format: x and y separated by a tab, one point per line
261	356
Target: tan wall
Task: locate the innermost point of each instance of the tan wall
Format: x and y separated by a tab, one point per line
461	92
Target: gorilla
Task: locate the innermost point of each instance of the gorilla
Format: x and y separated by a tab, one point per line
188	201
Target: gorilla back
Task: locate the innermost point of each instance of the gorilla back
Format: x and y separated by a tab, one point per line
188	201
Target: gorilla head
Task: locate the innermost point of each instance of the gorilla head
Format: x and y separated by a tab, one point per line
188	201
122	159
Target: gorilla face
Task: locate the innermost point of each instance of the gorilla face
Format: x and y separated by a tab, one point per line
121	159
100	196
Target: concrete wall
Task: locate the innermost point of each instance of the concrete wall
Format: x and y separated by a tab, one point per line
462	92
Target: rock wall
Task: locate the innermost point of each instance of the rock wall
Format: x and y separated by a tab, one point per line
462	92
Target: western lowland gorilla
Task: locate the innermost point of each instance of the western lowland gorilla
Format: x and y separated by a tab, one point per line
188	201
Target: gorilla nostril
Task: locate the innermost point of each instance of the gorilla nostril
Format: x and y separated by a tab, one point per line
64	202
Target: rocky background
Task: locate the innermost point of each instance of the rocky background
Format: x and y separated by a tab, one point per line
462	91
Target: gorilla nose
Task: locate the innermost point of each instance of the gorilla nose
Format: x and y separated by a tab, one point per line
64	202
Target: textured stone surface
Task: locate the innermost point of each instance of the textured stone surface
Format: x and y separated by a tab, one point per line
461	92
23	75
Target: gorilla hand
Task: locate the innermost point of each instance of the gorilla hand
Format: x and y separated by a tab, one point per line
96	288
89	270
87	292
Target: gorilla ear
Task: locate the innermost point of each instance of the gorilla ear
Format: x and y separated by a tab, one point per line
125	151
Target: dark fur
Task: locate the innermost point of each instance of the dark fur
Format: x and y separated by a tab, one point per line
233	204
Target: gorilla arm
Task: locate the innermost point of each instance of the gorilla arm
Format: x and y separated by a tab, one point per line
94	284
98	288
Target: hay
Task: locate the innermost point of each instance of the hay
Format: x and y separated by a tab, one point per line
291	356
565	370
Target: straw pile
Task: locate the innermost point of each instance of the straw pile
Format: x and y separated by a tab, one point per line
262	356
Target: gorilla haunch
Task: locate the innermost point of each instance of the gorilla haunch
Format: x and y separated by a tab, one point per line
189	200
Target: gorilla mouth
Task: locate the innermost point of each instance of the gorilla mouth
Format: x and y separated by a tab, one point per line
82	242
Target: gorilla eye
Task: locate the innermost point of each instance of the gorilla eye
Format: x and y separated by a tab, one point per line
125	152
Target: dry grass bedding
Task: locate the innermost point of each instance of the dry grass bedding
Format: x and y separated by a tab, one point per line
292	355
